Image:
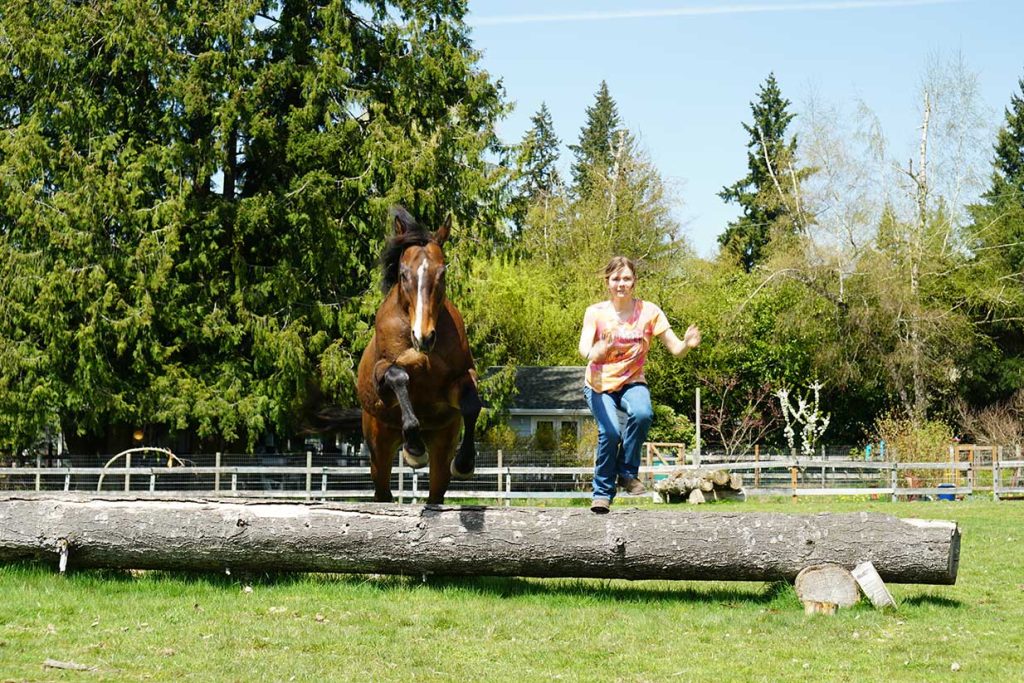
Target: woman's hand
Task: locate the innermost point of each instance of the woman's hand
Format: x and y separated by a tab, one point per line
602	347
692	337
678	347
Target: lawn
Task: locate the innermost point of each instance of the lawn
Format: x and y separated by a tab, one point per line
160	626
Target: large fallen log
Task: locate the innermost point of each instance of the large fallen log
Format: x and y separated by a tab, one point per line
629	543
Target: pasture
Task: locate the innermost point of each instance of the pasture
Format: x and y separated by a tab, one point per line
164	626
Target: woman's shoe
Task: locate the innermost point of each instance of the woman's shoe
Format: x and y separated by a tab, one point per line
633	487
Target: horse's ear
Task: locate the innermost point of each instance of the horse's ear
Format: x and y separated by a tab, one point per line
446	228
403	221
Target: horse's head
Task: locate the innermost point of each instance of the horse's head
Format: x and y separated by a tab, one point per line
418	273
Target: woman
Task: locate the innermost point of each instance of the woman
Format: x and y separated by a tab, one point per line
615	339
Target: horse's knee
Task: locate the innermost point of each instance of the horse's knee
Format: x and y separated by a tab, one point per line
395	377
470	404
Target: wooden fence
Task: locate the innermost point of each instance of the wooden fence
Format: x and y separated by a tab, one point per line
772	477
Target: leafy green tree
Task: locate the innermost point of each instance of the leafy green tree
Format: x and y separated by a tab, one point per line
769	195
192	199
599	139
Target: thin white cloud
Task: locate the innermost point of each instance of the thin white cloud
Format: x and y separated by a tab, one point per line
838	5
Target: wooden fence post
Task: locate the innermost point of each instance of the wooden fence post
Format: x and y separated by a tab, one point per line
757	468
500	475
401	483
998	455
127	473
894	480
793	479
39	475
216	472
309	474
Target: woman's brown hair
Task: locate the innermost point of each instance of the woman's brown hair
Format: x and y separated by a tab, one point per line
617	263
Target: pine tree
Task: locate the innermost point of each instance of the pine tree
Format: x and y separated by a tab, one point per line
997	239
1001	215
768	195
193	197
595	152
537	170
539	156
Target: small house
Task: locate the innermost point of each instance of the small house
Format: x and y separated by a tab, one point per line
548	398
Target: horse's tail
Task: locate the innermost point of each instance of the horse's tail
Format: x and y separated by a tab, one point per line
334	420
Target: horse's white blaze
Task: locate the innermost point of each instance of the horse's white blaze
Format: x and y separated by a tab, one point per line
421	293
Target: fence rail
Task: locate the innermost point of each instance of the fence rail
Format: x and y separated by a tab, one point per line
778	476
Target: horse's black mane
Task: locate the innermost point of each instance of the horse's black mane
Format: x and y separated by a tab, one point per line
414	235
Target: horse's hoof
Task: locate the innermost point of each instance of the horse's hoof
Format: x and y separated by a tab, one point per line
462	476
414	461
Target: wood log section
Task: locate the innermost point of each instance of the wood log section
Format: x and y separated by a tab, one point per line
700	486
827	583
143	532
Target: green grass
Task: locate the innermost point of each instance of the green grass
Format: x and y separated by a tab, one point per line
164	626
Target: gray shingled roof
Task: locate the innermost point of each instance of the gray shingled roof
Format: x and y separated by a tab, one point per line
548	388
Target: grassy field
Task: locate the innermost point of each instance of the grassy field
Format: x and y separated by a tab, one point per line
160	626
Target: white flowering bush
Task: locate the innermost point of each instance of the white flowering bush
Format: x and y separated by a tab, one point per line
805	415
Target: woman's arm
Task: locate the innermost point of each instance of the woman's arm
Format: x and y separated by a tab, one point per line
678	347
591	348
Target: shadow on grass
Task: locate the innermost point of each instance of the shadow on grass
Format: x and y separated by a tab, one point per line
934	600
616	590
749	593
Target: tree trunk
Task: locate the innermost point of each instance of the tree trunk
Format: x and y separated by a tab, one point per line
149	533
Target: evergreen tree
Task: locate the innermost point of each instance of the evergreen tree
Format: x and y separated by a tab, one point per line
193	197
537	164
539	157
997	239
768	195
595	152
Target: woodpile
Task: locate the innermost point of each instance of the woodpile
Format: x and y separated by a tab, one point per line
700	486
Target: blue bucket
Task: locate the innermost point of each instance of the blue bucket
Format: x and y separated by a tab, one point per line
947	496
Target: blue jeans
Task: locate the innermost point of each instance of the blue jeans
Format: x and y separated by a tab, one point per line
635	401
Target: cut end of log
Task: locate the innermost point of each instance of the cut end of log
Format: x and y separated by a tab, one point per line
828	584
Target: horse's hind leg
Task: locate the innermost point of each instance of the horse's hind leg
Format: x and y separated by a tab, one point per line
413	450
469	405
382	442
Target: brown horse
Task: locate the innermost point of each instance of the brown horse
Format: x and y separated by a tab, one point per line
417	381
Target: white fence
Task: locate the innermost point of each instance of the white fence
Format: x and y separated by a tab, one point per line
774	477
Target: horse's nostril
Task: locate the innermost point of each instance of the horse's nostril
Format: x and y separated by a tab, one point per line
428	341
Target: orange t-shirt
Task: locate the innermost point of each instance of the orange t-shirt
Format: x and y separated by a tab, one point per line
630	342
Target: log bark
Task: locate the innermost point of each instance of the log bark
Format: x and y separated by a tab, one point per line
143	532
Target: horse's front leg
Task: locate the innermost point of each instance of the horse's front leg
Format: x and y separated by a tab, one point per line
469	405
441	445
396	378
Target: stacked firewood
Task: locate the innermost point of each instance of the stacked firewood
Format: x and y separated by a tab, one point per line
700	486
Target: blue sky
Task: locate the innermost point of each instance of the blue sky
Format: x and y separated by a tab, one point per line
683	72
